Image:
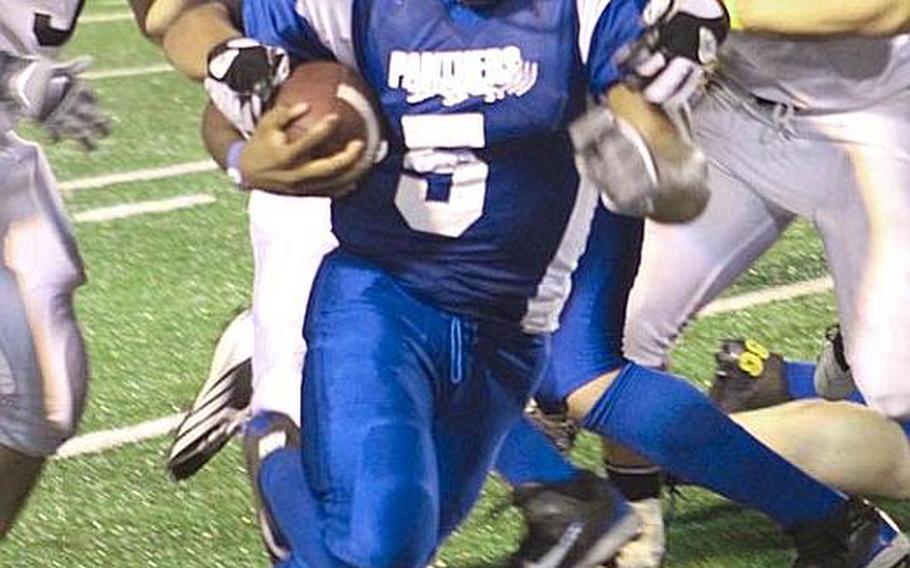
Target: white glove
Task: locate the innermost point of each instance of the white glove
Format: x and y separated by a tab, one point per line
52	94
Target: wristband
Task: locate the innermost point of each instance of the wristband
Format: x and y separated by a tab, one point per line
232	162
736	22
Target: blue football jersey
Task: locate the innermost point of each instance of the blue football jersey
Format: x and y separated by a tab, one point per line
477	206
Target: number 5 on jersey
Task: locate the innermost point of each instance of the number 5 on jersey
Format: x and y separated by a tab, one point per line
445	186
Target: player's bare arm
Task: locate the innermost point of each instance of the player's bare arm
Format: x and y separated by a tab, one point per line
140	10
644	124
680	164
812	18
271	161
191	35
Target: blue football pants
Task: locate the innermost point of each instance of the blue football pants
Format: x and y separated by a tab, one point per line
404	409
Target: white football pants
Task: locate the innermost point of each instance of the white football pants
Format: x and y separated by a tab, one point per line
848	173
290	235
43	367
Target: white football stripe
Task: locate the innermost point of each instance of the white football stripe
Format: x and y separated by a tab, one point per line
104	440
149	174
768	295
119	73
105	17
127	210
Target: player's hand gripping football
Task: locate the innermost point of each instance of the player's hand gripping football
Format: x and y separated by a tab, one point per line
52	94
273	161
679	44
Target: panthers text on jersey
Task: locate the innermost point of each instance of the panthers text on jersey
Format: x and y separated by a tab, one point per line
478	205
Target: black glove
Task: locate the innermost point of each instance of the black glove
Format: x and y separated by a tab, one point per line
681	39
52	94
243	76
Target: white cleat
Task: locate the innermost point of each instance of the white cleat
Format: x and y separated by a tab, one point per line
648	549
833	378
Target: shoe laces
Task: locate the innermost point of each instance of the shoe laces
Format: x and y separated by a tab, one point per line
674	493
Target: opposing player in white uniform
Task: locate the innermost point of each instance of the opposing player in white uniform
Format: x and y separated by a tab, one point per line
809	18
42	359
814	129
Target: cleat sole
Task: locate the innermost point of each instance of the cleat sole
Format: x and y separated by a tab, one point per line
608	547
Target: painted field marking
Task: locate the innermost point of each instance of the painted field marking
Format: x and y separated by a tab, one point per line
103	440
149	174
123	72
105	17
126	210
767	296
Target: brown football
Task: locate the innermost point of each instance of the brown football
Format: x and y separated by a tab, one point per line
329	87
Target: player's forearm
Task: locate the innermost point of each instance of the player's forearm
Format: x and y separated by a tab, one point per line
669	184
814	18
652	123
194	33
140	11
218	134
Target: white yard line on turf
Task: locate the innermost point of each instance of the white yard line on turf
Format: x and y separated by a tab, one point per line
122	72
149	174
103	440
126	210
103	18
768	295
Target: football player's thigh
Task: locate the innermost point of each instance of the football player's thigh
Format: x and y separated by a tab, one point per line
368	409
484	398
41	269
867	238
290	236
684	267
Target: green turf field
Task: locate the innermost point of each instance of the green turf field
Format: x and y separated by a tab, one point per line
161	286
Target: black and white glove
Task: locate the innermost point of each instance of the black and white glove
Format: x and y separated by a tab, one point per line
52	94
243	77
681	39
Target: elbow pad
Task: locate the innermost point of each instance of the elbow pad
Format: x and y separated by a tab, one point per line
669	186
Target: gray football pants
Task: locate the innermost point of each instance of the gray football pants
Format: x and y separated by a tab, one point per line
848	173
42	357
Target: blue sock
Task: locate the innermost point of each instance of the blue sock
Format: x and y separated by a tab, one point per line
674	425
800	378
528	456
286	492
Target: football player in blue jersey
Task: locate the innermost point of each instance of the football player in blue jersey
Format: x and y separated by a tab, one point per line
366	410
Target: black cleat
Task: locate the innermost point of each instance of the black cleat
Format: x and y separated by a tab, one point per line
559	428
748	377
858	536
578	524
